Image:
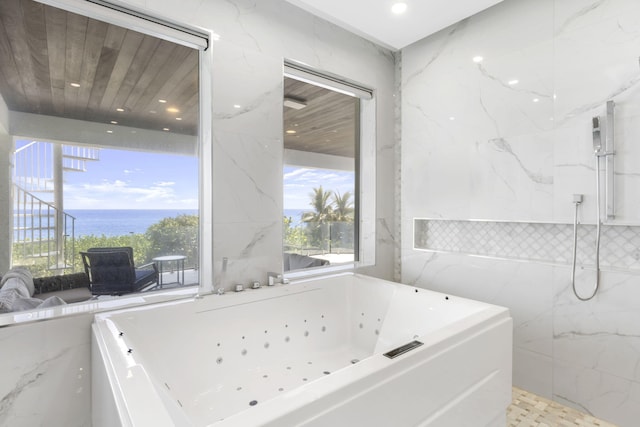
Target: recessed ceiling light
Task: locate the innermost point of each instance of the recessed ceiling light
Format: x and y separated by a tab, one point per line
399	7
165	129
178	118
536	100
109	131
237	106
113	122
291	131
452	118
513	82
120	110
152	111
478	59
172	110
162	101
74	84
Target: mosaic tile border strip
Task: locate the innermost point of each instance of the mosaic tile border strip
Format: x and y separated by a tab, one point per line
543	242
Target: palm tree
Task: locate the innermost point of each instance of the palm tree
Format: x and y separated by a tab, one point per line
321	215
341	232
322	209
342	207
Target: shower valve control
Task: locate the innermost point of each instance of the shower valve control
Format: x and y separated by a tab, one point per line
578	198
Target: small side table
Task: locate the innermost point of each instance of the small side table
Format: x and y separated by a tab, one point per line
178	259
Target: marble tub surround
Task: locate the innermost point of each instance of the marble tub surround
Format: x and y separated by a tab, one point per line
508	140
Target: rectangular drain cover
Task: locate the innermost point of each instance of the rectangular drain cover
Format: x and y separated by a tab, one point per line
402	349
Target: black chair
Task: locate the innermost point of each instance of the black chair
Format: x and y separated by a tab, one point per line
111	271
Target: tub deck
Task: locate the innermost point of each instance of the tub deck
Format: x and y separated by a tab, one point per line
286	354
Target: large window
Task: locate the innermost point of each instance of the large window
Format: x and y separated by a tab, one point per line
321	172
105	129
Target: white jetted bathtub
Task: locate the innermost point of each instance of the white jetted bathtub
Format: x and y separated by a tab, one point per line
345	350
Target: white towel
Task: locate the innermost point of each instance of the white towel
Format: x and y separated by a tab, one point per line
16	289
21	274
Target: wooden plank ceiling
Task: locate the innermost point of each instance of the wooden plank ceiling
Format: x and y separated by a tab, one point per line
327	124
58	63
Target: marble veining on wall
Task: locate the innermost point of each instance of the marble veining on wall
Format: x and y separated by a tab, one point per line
496	124
540	242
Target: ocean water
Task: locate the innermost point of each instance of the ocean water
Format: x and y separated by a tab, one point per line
118	222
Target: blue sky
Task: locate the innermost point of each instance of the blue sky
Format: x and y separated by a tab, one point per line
300	182
134	180
141	180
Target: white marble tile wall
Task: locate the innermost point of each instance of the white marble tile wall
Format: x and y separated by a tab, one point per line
45	365
254	39
46	373
478	145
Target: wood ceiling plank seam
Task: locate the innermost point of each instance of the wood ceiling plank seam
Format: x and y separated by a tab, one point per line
56	23
326	125
149	99
11	84
108	56
74	52
36	31
182	94
13	98
140	62
130	45
188	111
191	116
163	51
115	37
182	84
96	35
15	23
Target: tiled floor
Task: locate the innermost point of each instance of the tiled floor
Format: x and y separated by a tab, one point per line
530	410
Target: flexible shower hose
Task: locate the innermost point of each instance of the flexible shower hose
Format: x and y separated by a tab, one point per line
575	240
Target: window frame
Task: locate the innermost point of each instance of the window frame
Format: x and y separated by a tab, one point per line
365	165
193	37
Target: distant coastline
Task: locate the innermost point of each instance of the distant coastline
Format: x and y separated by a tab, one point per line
121	222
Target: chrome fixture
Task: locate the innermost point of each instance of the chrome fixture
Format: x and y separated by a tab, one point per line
609	161
597	140
273	278
577	201
606	151
223	274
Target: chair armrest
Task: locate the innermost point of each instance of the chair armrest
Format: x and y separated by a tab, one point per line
144	266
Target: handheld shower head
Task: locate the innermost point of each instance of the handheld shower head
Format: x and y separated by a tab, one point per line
597	141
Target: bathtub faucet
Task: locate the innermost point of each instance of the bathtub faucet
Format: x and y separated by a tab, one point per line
223	275
273	278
